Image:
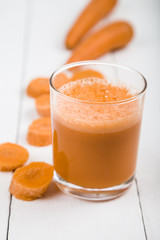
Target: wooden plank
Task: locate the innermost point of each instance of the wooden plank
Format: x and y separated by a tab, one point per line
12	21
149	164
58	216
143	54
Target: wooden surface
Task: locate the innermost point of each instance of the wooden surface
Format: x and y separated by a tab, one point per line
32	44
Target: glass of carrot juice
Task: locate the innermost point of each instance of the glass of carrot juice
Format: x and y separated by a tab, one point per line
96	112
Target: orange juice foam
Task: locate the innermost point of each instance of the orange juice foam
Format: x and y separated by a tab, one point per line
96	117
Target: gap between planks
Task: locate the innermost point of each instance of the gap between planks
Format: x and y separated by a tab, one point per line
27	29
141	209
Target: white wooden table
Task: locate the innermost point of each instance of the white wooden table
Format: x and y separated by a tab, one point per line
32	44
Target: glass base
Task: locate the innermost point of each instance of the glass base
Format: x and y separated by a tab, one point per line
92	194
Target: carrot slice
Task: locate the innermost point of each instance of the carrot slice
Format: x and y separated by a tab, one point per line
43	105
37	87
12	156
60	79
39	132
31	181
92	14
113	36
85	74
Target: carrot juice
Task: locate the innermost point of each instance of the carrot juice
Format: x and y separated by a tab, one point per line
95	151
96	127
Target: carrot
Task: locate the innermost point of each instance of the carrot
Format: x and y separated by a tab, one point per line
12	156
60	79
31	181
39	132
37	87
85	74
113	36
93	13
43	105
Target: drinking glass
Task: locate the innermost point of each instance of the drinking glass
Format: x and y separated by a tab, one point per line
95	143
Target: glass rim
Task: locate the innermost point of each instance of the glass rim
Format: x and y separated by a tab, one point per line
96	62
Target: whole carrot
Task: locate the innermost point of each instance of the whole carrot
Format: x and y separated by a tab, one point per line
113	36
93	13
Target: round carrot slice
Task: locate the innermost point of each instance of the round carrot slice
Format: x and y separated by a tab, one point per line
80	74
43	105
60	80
31	181
12	156
39	132
37	87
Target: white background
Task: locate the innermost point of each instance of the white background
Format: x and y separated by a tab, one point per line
32	44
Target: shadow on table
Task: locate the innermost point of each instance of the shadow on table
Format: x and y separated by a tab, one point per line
52	191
